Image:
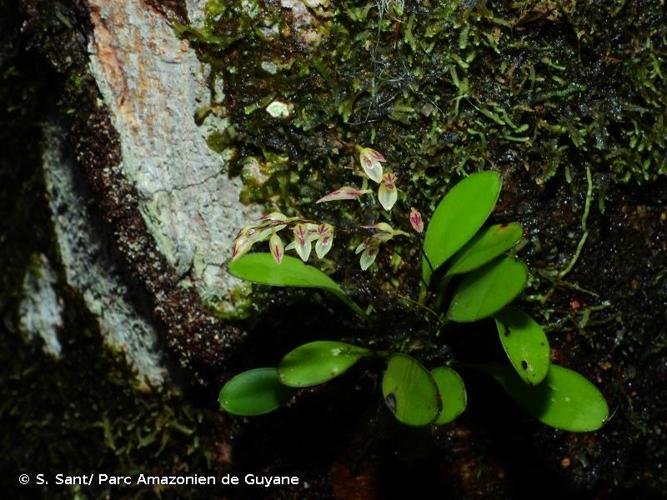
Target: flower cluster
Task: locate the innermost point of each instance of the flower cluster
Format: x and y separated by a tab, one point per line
306	232
371	162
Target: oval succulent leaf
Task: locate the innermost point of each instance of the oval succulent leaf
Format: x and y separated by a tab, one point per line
410	391
487	290
452	393
254	392
261	268
458	216
565	399
525	343
488	244
318	362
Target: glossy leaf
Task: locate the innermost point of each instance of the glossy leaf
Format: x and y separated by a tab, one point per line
458	216
410	391
487	290
565	399
291	272
254	392
452	393
525	343
318	362
488	244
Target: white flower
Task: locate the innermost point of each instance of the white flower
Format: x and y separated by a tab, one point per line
371	163
324	240
387	193
303	239
369	250
277	248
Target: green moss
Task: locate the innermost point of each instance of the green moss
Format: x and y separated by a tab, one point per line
86	412
554	88
443	88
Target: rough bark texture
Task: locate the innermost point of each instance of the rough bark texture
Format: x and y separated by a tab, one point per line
171	212
152	83
91	265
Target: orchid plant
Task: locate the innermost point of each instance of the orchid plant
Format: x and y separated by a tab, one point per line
306	232
467	276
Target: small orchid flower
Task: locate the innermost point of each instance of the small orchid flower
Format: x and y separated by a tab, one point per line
387	193
416	221
240	246
275	221
274	217
244	240
324	240
302	241
384	232
344	193
265	227
277	248
369	250
371	163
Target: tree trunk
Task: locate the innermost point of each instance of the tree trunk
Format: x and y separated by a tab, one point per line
168	211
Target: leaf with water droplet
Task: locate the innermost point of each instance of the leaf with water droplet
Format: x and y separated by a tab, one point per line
410	392
488	289
254	392
457	218
291	272
525	344
318	362
452	393
565	399
488	244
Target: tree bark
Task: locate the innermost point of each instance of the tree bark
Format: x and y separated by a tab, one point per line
169	210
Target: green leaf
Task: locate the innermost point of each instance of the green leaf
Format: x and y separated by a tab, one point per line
410	391
487	290
317	362
525	343
457	218
488	244
452	393
565	399
254	392
292	272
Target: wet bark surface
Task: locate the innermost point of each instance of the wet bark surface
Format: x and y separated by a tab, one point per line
610	316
